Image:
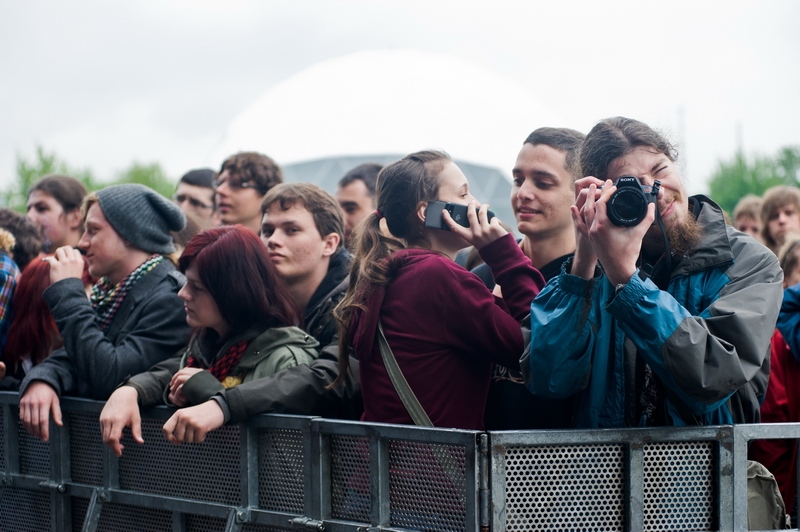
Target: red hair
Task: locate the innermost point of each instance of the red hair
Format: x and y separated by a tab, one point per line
235	268
33	331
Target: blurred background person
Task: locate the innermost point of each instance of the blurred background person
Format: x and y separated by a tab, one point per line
54	206
244	179
27	240
33	334
747	216
356	196
195	195
780	215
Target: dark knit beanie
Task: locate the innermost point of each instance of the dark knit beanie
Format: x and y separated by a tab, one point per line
141	216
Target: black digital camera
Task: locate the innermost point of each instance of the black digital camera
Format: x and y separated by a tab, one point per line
628	204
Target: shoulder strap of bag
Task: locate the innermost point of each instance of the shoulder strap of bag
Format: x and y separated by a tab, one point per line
400	383
412	405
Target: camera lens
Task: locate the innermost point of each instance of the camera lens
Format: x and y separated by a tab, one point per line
627	207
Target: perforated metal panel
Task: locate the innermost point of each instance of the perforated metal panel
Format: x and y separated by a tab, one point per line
202	523
86	448
577	487
24	510
351	497
209	471
679	486
117	517
426	486
34	454
281	471
79	505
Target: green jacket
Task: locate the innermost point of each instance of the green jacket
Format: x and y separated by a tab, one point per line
271	351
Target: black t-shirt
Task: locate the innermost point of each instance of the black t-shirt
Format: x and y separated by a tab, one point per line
510	405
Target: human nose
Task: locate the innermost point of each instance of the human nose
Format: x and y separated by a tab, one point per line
223	187
83	243
273	241
526	190
183	293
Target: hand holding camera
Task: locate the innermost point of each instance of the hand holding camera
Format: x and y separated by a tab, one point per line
611	220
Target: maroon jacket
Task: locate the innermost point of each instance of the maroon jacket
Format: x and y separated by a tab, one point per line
445	329
781	405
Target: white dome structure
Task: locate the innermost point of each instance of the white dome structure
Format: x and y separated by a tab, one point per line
376	106
390	101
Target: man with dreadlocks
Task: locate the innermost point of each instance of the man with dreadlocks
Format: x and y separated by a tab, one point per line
134	317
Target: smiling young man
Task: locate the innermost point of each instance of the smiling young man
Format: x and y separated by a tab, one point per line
134	319
675	328
541	195
244	179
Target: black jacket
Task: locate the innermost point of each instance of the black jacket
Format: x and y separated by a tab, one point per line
148	327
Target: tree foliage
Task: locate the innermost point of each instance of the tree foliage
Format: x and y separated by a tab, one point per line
45	162
29	171
738	177
151	175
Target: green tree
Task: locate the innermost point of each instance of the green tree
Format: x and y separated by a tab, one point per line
45	162
29	171
151	175
736	178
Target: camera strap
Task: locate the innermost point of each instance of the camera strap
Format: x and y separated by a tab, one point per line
646	269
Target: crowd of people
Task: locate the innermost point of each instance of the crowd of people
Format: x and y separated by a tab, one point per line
357	305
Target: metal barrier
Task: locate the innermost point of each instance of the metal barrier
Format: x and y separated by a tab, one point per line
301	473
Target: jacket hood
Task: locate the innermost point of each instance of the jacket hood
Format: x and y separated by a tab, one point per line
714	249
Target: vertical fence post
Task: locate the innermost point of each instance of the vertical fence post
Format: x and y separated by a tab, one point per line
725	482
318	475
379	479
61	515
634	487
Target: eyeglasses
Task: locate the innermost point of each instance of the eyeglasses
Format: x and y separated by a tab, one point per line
196	203
235	184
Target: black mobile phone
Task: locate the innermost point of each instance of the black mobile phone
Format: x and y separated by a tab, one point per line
434	218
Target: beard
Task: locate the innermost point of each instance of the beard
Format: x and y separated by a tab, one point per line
683	236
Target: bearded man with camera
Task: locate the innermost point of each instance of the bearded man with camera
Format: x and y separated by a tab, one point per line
664	315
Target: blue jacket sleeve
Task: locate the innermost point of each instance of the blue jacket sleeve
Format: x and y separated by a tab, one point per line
563	326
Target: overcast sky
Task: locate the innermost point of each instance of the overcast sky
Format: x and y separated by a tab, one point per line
104	84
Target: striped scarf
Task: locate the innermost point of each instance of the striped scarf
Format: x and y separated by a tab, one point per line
224	364
106	298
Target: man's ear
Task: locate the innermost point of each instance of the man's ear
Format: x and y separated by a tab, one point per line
74	219
331	244
422	206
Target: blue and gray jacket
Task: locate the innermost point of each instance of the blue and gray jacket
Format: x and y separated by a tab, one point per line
706	337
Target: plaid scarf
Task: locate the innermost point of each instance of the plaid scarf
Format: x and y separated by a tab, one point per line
107	298
224	364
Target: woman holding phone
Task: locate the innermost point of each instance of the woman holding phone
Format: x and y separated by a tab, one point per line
444	327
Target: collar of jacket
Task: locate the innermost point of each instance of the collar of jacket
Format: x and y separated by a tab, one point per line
714	249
